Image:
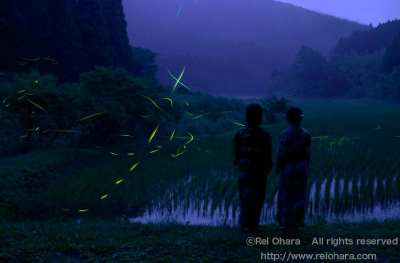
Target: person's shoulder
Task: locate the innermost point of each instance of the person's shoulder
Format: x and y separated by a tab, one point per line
304	131
288	130
241	131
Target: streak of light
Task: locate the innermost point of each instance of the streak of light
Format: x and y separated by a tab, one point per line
92	116
172	135
134	166
237	123
155	104
179	11
126	135
153	133
320	137
176	155
198	116
36	105
172	103
191	138
179	81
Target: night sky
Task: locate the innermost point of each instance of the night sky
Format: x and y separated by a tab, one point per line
363	11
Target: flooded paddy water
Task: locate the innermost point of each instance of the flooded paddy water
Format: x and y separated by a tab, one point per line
193	209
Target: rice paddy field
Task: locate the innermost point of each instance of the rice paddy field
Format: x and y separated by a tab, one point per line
354	174
177	199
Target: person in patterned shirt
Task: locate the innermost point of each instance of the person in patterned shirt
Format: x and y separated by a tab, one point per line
293	160
252	152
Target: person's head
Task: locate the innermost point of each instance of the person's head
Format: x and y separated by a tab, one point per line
294	115
254	114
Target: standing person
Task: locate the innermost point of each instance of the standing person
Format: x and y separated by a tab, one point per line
252	152
293	161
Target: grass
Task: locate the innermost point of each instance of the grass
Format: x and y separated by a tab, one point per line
116	241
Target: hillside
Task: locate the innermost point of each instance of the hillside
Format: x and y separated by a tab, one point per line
244	39
363	65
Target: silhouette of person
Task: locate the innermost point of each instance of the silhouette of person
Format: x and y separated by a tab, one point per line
252	152
293	161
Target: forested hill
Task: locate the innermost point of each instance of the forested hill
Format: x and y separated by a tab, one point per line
364	65
73	36
229	46
368	40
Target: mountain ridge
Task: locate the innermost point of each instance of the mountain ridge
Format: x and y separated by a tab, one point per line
258	35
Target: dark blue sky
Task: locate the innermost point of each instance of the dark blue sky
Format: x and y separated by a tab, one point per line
364	11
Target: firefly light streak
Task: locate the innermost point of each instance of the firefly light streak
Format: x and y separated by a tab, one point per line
183	85
36	105
237	123
153	133
179	11
155	104
179	79
96	114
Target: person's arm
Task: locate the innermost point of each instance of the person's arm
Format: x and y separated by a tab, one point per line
280	155
235	150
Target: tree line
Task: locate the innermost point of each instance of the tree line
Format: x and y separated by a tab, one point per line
363	65
68	37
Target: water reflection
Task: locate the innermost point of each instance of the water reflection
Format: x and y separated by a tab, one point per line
180	208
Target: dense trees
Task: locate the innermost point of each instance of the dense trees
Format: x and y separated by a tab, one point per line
69	36
39	112
365	65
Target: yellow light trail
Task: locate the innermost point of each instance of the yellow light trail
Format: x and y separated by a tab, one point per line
126	135
198	116
134	166
179	79
191	138
154	132
83	210
320	137
172	135
237	123
104	196
92	116
155	104
176	155
118	182
172	102
36	105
